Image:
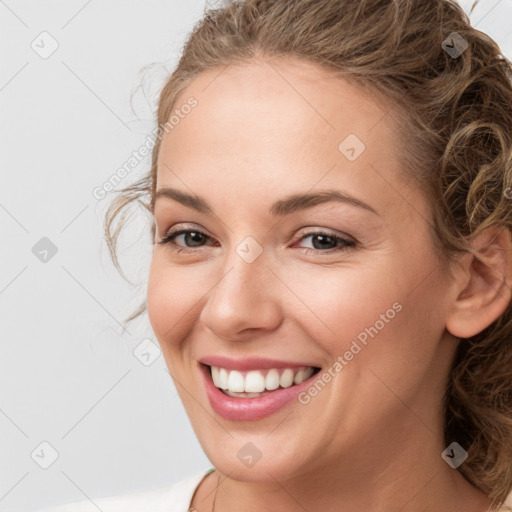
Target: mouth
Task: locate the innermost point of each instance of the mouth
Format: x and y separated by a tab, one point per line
252	391
256	383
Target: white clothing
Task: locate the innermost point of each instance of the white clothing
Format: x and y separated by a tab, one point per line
171	498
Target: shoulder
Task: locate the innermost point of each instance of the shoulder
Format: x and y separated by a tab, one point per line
171	498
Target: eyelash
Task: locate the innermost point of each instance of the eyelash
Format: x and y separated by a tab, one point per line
168	240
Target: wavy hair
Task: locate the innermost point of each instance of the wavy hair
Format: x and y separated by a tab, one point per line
455	130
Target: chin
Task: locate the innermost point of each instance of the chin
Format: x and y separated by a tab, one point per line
254	458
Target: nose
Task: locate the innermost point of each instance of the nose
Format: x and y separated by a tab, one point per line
243	301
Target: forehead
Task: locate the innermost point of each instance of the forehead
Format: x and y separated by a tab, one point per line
289	97
269	124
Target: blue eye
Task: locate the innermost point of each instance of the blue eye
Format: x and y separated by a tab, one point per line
194	240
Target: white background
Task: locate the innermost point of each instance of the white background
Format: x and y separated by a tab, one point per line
68	375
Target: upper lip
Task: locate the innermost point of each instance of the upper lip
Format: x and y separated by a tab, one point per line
250	363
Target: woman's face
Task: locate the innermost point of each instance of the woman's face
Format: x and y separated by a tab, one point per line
262	289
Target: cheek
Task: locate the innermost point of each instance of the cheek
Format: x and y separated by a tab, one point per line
171	296
338	304
386	309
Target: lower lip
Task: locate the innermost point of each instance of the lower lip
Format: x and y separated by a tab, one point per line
250	409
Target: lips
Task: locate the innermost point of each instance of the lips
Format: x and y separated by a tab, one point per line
251	363
251	389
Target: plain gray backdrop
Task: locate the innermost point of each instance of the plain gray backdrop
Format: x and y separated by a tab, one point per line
87	410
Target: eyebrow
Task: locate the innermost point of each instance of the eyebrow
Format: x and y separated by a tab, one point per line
286	206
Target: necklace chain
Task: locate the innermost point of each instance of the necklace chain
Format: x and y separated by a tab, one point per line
216	489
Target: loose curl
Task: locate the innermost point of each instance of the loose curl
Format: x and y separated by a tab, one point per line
455	125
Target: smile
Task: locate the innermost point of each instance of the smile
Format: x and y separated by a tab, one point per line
252	389
258	382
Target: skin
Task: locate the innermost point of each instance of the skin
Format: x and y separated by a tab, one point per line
372	438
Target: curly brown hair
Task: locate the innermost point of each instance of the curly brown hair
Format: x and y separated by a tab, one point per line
455	119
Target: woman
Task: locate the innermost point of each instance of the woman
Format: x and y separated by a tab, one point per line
332	266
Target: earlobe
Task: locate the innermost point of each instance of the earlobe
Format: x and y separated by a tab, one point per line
485	282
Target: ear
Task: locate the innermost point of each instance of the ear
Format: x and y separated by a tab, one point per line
483	282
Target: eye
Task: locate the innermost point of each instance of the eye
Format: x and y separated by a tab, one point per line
326	242
194	239
193	236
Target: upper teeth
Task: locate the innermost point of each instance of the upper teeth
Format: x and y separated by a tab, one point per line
257	381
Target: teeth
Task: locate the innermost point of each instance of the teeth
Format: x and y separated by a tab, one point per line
302	375
256	382
223	379
236	381
272	380
215	375
286	379
299	377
